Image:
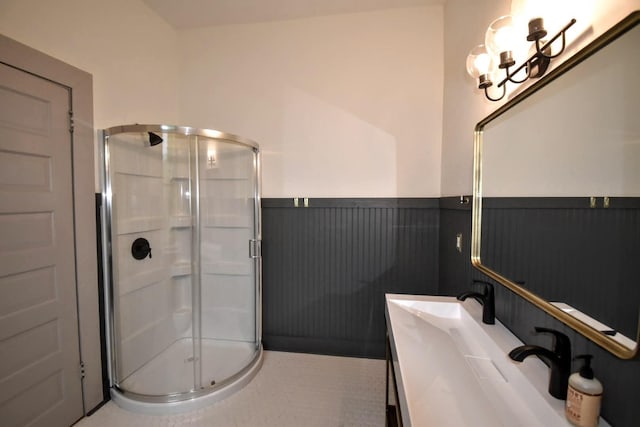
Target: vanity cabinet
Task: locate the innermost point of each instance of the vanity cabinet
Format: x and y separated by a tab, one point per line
393	413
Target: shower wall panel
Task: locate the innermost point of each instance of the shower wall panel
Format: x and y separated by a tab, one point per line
145	291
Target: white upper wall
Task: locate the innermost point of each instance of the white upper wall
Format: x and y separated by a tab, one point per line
342	106
465	22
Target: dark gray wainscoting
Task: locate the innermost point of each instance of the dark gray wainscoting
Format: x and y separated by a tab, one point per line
327	267
566	251
619	377
456	271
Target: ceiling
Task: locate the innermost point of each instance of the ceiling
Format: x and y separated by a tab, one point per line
200	13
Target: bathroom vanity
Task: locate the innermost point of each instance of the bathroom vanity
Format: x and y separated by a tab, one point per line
446	368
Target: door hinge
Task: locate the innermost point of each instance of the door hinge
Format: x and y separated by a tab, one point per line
71	123
82	371
255	248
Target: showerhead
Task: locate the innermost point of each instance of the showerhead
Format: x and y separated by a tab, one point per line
154	139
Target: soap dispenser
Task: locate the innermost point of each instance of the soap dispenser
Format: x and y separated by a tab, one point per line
584	396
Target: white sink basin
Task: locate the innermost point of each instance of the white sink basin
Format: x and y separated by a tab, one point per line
453	370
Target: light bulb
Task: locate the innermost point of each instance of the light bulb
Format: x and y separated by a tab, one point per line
480	65
500	35
479	61
502	38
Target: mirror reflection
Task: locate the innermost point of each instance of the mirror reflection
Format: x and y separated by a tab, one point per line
560	178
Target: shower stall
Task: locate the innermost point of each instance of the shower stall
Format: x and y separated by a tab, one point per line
182	256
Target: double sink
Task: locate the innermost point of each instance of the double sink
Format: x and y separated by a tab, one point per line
453	370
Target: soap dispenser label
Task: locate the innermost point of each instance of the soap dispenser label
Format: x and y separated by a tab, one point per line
582	409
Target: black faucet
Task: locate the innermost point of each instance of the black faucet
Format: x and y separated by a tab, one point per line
487	299
559	358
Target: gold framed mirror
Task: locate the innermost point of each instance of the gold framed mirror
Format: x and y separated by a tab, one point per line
556	206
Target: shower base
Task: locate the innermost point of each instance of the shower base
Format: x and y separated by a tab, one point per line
153	388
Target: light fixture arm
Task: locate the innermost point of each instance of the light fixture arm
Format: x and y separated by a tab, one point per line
528	66
510	76
486	93
547	45
539	58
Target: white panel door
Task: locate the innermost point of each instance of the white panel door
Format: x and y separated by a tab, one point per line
40	381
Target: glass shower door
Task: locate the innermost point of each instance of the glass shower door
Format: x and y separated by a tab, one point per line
151	233
228	255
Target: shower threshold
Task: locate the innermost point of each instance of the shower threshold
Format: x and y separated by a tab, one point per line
172	372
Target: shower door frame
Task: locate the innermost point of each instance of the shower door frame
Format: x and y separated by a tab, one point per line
110	320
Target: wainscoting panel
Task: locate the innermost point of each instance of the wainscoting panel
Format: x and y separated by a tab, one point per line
456	271
511	227
326	269
568	252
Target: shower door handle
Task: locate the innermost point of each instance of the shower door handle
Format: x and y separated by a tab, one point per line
255	248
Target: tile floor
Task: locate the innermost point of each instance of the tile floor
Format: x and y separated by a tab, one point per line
291	390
